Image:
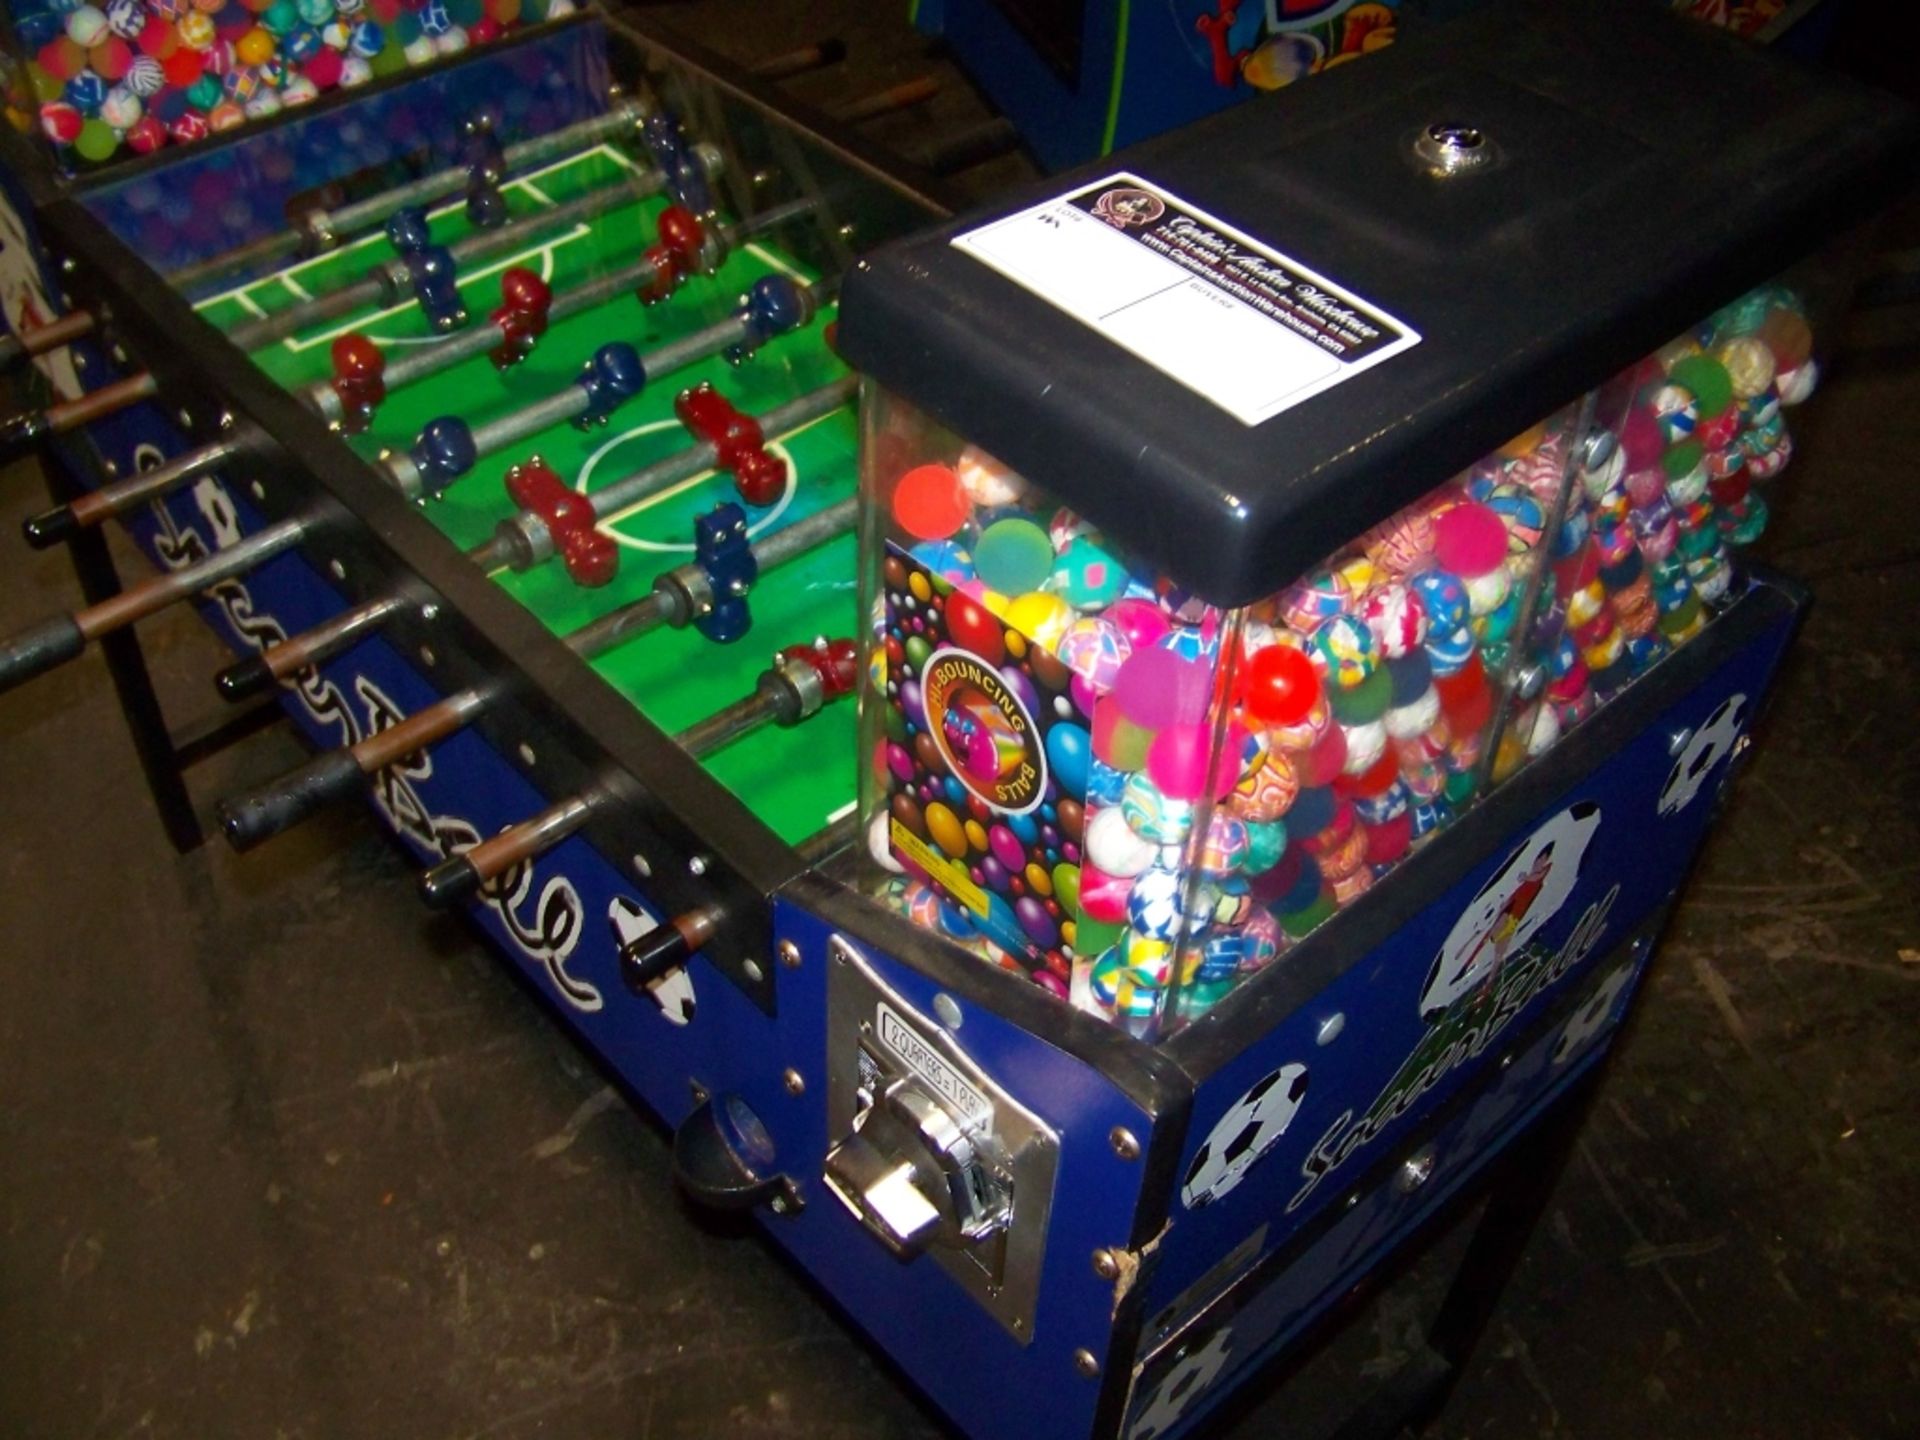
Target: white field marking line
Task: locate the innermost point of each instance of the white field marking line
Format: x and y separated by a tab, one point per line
297	344
605	523
759	525
299	290
768	258
250	305
376	237
844	811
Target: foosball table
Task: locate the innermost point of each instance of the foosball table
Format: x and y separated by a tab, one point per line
1099	765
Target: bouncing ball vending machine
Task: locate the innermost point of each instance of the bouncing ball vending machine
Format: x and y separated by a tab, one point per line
1217	731
1309	627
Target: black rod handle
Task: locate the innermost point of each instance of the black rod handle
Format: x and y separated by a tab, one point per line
38	649
454	879
21	434
50	527
246	820
245	678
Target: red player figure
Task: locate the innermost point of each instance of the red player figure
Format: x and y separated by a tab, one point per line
591	558
525	300
678	255
358	368
1512	916
739	447
1214	29
835	662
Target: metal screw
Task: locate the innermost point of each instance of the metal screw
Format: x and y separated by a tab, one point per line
68	265
1087	1363
642	868
778	1204
430	611
259	490
1123	1142
1679	740
1451	148
789	954
336	569
526	754
1330	1028
185	417
1105	1265
227	420
697	865
947	1011
1414	1172
109	469
795	1082
751	969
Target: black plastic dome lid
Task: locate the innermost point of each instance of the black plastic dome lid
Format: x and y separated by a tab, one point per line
1470	228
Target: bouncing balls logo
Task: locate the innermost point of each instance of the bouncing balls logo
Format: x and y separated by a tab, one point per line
1710	744
1524	894
1128	206
983	732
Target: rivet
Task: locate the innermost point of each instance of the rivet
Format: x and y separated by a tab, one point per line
697	865
1330	1028
527	755
789	954
751	969
1104	1264
1087	1363
1123	1143
795	1082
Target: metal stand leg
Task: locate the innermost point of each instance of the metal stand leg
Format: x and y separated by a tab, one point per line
162	760
1517	1196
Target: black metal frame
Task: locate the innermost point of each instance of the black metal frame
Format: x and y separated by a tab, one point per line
165	756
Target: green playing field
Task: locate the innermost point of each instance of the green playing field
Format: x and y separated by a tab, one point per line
794	780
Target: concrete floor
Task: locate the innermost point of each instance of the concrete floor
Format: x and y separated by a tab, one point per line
283	1155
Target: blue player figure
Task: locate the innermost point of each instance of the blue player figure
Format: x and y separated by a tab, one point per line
722	549
436	285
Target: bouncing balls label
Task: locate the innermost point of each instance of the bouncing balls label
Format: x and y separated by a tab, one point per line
984	759
983	732
1228	316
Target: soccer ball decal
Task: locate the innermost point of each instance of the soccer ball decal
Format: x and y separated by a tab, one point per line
1181	1386
1524	894
673	991
1592	1016
1710	744
1250	1128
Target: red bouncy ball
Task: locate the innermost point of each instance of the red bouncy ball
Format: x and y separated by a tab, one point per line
324	69
146	135
1388	841
182	67
1280	686
62	59
1325	760
110	58
1641	440
159	39
929	502
1377	779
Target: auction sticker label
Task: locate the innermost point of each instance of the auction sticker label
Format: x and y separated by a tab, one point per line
1253	330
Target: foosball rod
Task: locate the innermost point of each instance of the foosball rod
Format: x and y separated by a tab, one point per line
647	959
678	598
21	434
53	642
389	281
800	682
521	542
16	349
318	231
789	63
448	448
421	361
63	522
